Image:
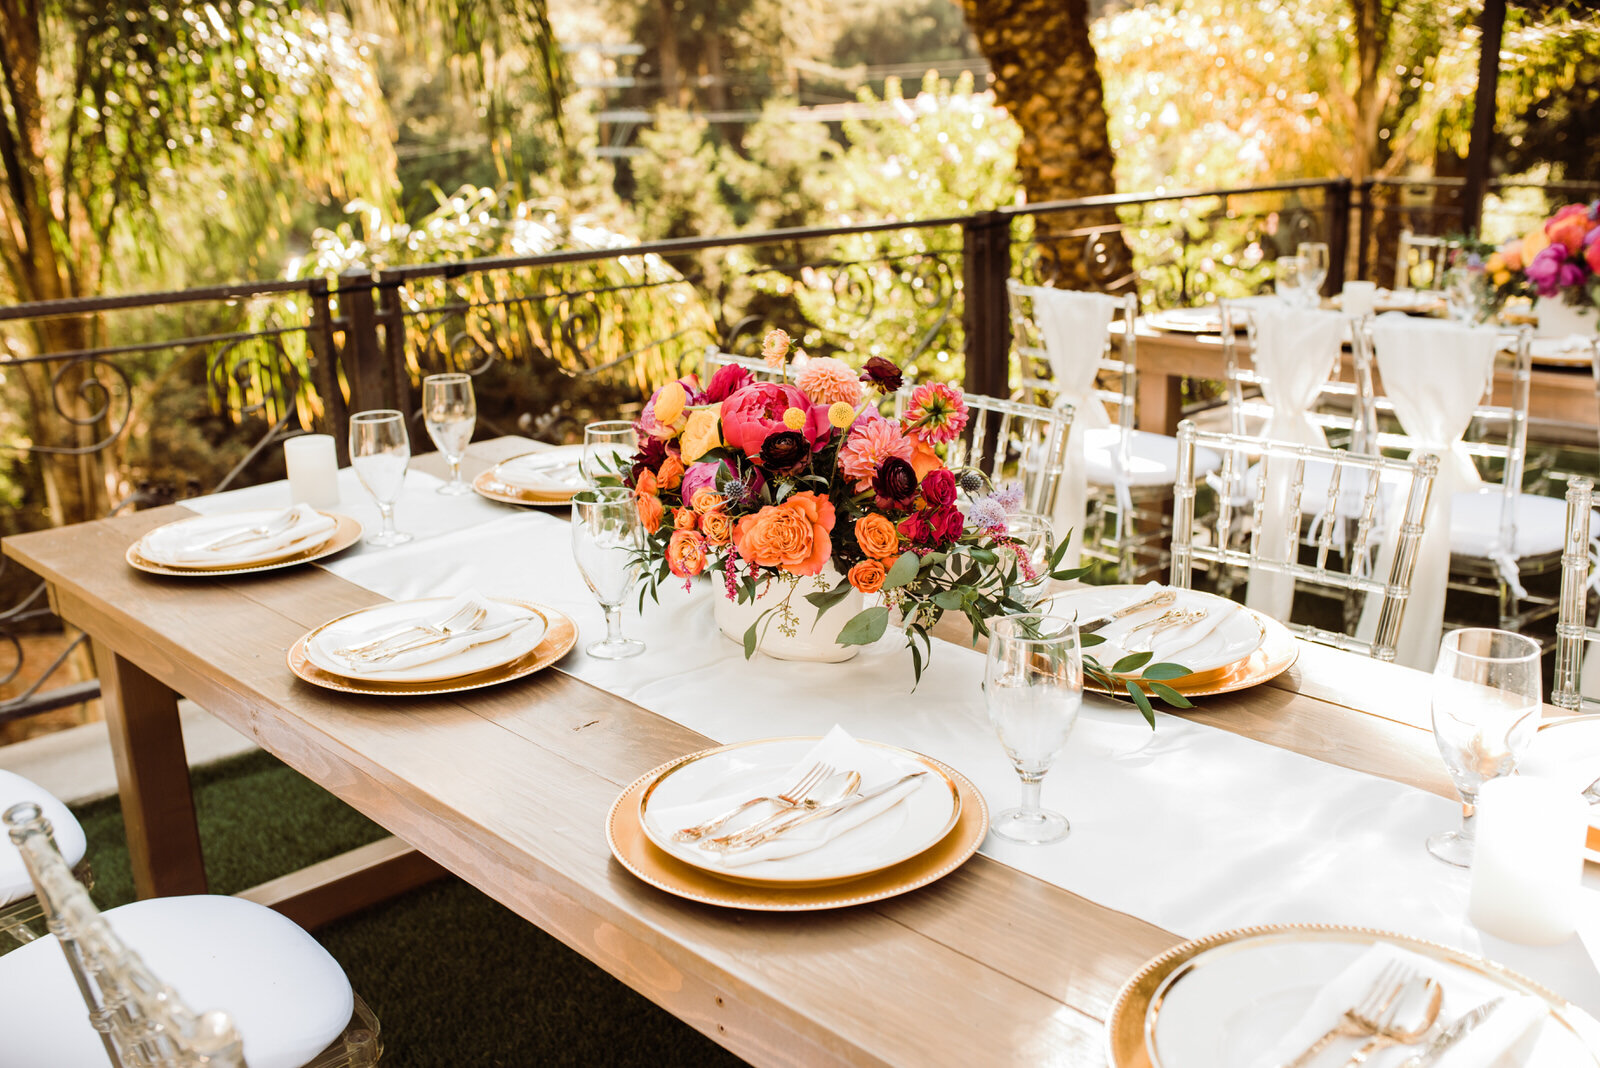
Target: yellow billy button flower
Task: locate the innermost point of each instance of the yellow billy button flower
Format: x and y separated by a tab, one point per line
794	419
841	414
670	402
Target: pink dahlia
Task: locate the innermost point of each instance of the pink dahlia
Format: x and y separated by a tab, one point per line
827	381
871	442
936	413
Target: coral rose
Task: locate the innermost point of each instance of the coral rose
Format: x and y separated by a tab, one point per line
702	432
868	575
706	500
670	476
686	554
647	485
829	381
877	536
651	512
684	519
717	527
792	535
755	412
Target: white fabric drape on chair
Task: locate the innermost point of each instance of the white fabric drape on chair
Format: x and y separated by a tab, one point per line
1435	374
1295	352
1074	327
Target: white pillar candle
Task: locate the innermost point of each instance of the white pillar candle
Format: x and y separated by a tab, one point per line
1528	862
1359	298
313	470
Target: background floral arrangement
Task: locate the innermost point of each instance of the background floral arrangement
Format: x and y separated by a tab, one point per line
1559	257
759	482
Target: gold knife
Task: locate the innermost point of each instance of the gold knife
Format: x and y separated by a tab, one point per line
816	814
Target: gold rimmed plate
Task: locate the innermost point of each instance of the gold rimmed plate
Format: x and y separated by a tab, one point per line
561	633
490	486
345	534
635	852
749	769
1276	654
1292	962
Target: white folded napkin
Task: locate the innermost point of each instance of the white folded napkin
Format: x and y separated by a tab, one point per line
1169	644
1571	345
181	546
555	471
837	748
1510	1032
501	620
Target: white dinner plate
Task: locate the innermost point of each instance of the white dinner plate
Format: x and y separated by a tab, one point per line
1232	1003
164	544
1234	638
1571	351
915	824
1187	320
382	618
549	471
1567	751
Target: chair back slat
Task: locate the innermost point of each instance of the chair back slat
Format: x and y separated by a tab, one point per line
1422	260
1572	624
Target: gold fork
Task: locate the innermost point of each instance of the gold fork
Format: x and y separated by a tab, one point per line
1363	1018
790	798
467	616
1395	1032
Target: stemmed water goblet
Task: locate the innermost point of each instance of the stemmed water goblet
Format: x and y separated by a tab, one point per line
1288	279
1033	689
380	449
1466	294
606	535
1313	257
607	444
450	411
1486	687
1034	538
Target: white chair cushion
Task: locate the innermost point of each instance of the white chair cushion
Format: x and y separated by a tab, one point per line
14	882
288	997
1475	523
1314	491
1152	458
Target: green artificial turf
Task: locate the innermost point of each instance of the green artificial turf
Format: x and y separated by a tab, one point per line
454	978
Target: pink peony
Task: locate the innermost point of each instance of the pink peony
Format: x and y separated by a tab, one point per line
871	442
752	413
827	381
936	414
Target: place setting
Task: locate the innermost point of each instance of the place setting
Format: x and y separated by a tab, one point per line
236	543
432	645
796	824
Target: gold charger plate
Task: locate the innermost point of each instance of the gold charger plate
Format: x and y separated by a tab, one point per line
346	534
560	635
634	851
489	486
737	877
1276	654
1125	1026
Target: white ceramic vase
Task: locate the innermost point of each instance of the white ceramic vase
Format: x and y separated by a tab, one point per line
808	642
1557	318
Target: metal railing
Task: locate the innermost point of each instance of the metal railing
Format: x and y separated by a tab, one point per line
128	401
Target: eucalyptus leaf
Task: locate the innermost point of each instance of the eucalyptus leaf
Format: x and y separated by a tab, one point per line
1170	696
1131	662
1143	703
865	627
949	600
904	570
1089	641
1164	671
750	640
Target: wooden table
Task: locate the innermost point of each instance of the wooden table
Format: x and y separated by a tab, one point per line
509	788
1561	402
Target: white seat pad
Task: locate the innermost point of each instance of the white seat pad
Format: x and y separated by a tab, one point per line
1475	523
288	997
1152	458
14	882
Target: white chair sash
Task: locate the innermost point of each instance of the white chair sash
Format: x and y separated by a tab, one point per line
1074	327
1295	352
1435	374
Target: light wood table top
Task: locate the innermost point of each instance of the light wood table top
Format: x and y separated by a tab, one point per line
508	788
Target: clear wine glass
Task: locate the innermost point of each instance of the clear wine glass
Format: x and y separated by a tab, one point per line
1034	535
1287	275
607	445
1033	687
1313	257
380	449
1485	712
450	411
606	533
1466	294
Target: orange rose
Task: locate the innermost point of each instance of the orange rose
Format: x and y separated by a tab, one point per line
877	536
686	553
650	512
1568	231
683	519
924	459
706	501
868	575
717	527
792	535
671	473
646	486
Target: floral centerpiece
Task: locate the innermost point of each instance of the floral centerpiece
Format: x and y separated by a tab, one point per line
1558	258
782	488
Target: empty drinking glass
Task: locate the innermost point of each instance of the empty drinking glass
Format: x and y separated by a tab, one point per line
606	448
606	534
1313	257
450	411
1033	686
1288	273
1466	294
380	449
1034	536
1485	713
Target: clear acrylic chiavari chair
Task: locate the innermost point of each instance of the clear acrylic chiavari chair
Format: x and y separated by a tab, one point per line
105	1004
1224	544
21	914
1573	631
1422	260
715	359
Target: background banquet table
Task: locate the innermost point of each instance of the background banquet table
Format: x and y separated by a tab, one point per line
509	787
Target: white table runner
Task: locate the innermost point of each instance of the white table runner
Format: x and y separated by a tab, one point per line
1189	827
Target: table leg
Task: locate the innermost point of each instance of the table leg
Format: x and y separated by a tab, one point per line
1160	402
152	778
